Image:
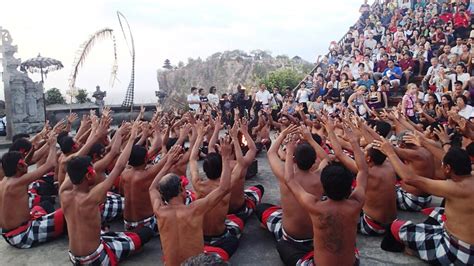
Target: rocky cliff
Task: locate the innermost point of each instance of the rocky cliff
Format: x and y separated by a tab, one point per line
224	71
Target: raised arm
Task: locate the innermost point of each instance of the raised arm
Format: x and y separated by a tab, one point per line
306	133
212	199
215	134
363	170
276	164
99	192
51	162
193	165
307	200
101	165
252	152
336	147
440	188
154	190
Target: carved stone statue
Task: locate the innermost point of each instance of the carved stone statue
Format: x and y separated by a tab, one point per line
99	97
24	99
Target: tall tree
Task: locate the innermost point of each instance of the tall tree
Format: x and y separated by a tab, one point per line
81	96
54	96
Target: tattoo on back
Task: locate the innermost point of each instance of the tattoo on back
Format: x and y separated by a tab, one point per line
330	226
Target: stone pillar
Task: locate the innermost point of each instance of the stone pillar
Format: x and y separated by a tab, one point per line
24	102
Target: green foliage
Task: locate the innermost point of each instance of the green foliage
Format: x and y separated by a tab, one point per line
81	96
282	78
54	96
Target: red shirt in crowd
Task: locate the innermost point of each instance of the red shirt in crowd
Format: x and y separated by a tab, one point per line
446	17
406	63
461	20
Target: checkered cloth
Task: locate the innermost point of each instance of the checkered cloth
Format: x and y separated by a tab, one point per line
113	248
113	207
308	259
370	227
228	241
272	220
433	244
253	196
40	228
410	202
33	199
149	222
128	101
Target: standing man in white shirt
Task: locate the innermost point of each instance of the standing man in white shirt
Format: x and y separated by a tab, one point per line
263	97
194	100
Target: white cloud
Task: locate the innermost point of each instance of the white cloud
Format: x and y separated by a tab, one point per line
176	30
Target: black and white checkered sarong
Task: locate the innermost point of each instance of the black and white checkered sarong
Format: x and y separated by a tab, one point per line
114	247
432	243
409	202
41	228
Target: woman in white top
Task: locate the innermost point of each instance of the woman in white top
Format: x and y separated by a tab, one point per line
212	97
302	96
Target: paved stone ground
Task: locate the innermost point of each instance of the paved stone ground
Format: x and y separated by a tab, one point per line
257	246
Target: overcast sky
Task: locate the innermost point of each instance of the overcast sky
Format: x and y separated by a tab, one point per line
174	29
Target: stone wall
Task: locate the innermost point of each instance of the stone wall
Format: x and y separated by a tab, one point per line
56	112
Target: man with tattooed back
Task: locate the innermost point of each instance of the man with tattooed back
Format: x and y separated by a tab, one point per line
334	218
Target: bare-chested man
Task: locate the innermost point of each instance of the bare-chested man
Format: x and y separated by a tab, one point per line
334	219
243	202
380	207
180	225
21	226
447	237
136	181
220	230
290	222
87	245
419	159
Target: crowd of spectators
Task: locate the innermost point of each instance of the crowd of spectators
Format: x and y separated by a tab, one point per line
394	46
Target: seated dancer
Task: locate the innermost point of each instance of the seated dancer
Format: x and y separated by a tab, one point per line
81	208
21	226
380	207
180	225
136	180
411	198
334	218
113	205
220	230
290	222
42	189
242	201
448	239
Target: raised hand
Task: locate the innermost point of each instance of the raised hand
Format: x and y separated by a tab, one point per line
234	131
225	148
384	146
351	135
244	126
60	126
201	129
305	132
106	111
52	138
442	133
289	130
411	138
71	118
124	128
103	127
291	142
174	155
